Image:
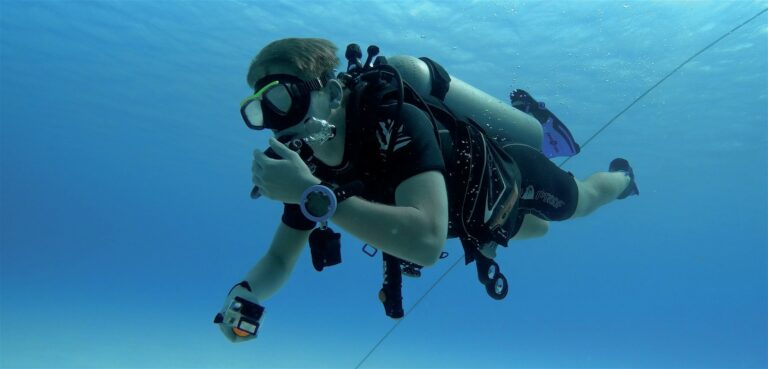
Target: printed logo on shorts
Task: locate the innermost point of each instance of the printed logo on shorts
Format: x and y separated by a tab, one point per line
528	194
549	199
543	196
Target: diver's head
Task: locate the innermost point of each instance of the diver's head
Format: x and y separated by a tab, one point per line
295	91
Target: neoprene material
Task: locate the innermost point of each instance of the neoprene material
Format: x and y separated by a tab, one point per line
294	218
546	191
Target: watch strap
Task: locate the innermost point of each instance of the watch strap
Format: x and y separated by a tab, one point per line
343	192
293	217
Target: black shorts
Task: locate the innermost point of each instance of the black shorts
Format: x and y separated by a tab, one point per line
546	191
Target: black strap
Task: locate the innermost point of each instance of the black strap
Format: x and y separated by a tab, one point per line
294	218
314	84
346	191
441	80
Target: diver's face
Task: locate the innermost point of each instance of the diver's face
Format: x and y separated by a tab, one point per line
319	108
322	103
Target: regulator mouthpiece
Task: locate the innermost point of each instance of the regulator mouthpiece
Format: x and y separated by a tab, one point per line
319	131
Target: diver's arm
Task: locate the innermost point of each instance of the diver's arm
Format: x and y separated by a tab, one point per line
532	227
274	268
414	229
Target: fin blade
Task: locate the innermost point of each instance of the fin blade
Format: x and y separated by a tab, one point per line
557	140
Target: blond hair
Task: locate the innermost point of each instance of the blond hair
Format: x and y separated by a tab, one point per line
311	58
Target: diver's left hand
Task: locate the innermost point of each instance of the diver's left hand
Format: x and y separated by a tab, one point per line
237	291
283	179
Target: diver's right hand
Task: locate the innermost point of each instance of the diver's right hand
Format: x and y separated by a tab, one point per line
248	308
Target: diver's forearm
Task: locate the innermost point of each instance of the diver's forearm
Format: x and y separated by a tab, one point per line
267	276
397	230
272	271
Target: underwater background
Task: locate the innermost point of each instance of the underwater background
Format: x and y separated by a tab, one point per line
125	173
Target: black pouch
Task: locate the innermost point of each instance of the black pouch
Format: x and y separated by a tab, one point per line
325	245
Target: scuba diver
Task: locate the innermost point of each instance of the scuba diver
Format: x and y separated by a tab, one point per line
403	156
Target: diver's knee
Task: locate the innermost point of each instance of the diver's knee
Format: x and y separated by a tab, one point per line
542	227
532	227
586	198
432	255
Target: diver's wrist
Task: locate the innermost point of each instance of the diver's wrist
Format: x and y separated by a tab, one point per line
306	183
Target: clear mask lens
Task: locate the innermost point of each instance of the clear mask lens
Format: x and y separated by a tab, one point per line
276	98
252	112
279	98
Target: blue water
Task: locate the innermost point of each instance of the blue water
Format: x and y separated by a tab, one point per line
125	216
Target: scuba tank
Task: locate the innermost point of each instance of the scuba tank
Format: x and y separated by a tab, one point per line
467	102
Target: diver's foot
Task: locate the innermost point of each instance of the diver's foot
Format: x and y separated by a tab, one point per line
488	249
622	165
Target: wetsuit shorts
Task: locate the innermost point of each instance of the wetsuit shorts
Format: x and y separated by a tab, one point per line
546	191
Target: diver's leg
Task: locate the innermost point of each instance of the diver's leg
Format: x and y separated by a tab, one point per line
598	190
532	227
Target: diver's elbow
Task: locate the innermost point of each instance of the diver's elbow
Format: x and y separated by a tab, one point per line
432	251
433	240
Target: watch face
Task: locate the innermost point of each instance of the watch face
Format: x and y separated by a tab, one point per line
318	204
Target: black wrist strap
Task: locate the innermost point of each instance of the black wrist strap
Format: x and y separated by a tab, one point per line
293	218
346	191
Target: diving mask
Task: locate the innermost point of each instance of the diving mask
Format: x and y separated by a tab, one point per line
280	101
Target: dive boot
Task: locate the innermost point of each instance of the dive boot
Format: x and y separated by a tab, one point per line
622	165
